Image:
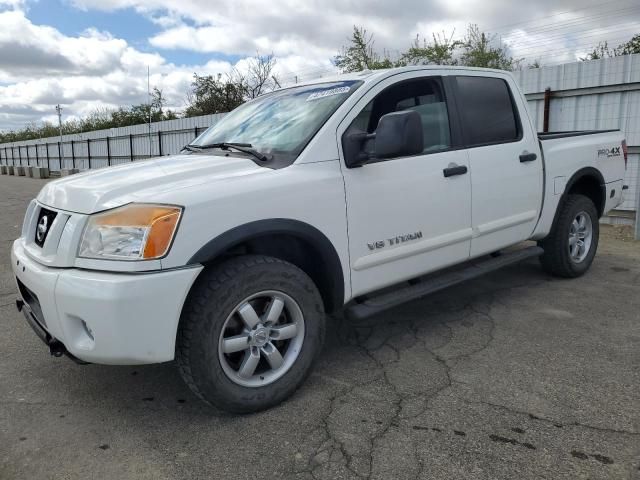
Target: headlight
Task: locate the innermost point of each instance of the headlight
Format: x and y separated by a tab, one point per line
134	232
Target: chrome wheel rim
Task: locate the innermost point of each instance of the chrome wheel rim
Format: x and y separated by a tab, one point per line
580	237
261	339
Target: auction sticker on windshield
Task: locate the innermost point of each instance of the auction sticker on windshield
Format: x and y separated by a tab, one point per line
328	93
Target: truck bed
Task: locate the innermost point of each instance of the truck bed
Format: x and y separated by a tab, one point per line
568	153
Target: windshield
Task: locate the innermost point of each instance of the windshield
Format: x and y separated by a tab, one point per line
283	122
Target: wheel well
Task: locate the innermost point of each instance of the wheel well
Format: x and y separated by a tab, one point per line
590	187
301	253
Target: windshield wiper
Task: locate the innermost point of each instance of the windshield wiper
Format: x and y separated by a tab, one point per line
191	148
240	147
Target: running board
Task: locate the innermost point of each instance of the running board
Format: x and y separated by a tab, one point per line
379	303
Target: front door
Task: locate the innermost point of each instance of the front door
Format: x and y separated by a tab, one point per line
411	215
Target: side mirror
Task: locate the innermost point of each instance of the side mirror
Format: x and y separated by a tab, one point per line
356	146
398	134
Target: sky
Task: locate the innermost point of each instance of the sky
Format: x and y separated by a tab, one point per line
90	54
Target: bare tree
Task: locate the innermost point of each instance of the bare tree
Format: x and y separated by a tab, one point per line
216	94
158	101
258	78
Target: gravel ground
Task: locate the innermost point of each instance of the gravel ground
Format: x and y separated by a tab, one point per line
515	375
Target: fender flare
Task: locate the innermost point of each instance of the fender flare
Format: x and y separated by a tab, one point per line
587	172
329	258
583	172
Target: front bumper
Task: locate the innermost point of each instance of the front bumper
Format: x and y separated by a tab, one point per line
100	317
56	347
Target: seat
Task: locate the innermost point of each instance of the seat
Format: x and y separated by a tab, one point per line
435	125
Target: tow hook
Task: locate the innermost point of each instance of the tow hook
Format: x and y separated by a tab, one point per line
19	304
56	348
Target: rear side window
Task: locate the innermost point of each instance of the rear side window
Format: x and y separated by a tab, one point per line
487	110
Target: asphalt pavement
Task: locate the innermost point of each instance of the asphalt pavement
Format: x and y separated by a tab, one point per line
516	375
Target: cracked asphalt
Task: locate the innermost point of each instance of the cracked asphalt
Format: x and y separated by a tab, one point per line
514	375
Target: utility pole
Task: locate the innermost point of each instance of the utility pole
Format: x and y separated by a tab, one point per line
149	99
637	235
59	110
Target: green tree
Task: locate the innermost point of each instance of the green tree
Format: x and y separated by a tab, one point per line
536	64
211	94
359	54
602	50
440	51
99	119
216	94
630	47
479	50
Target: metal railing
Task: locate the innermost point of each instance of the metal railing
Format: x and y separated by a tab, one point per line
97	152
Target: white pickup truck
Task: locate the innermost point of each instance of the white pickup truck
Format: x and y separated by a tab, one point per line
353	193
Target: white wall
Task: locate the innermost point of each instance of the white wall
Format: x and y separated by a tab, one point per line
594	95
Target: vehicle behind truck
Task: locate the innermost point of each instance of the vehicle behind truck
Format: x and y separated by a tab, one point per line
352	194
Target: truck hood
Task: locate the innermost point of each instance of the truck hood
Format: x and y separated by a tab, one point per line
98	190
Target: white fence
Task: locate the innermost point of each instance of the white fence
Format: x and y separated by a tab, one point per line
102	148
599	94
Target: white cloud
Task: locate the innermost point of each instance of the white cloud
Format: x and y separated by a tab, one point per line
567	44
317	29
41	67
12	4
27	49
284	27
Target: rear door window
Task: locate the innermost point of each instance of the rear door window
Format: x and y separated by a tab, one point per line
487	111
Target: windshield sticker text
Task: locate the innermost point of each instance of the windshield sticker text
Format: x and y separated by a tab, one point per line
328	93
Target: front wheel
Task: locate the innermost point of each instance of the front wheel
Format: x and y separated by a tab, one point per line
249	333
571	246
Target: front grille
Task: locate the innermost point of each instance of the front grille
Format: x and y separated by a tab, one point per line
31	299
43	226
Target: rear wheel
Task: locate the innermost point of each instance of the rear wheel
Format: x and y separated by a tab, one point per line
571	246
249	333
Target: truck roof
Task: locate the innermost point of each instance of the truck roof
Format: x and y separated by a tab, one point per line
373	75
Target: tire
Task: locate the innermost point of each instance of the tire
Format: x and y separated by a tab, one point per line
560	256
216	318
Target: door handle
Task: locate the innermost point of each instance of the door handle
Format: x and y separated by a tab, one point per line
454	169
527	157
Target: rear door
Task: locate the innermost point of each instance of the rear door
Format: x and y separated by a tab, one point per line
505	164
